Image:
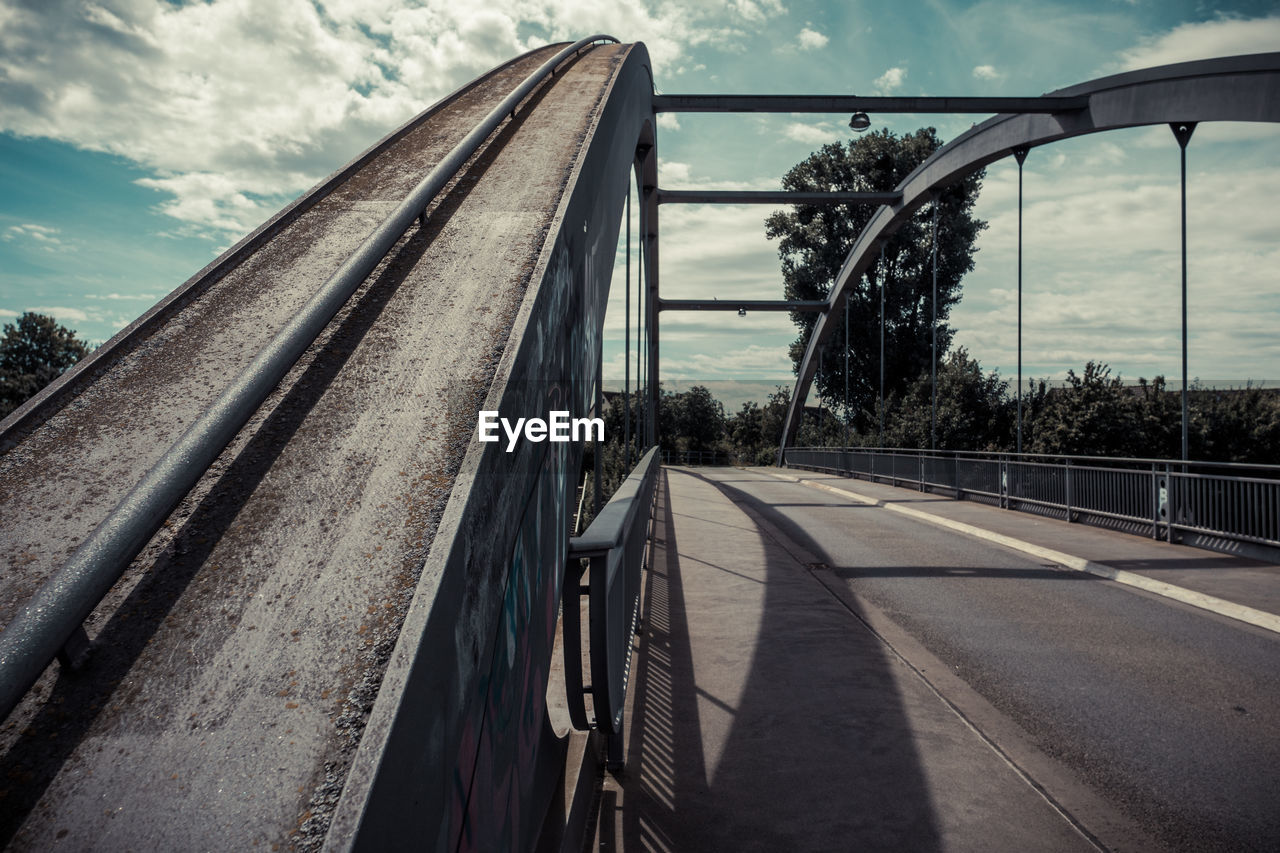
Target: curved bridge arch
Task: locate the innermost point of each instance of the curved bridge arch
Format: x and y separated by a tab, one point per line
1237	88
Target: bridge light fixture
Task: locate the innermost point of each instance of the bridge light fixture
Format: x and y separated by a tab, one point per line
859	122
742	312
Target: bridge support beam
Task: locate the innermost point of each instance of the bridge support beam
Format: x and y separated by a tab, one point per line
647	169
742	305
774	197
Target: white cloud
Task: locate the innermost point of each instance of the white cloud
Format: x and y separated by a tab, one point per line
674	175
1102	269
751	360
810	134
130	297
41	234
890	80
1223	36
37	236
63	314
236	105
5	312
757	10
668	121
810	39
987	72
1159	136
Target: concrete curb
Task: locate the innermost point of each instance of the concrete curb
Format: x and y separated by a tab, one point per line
1250	615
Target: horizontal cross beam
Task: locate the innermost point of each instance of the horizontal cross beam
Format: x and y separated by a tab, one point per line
855	103
742	305
773	197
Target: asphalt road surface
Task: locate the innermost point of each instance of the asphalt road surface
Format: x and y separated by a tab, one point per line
1166	711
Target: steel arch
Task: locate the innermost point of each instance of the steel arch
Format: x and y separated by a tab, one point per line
1236	88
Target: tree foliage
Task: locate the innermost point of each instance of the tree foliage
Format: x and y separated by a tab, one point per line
33	352
974	411
690	420
754	430
1094	413
814	241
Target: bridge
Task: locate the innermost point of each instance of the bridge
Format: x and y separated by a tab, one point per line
265	589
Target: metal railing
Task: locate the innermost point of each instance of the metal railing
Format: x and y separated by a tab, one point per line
614	544
697	457
50	625
1226	500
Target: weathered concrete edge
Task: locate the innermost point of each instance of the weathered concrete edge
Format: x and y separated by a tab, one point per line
1222	607
450	548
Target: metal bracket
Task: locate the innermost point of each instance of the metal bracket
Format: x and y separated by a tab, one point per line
75	650
1182	131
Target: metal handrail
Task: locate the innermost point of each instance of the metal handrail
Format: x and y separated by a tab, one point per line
697	457
55	614
1000	454
615	544
1158	496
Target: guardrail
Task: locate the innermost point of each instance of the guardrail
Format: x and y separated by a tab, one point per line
614	545
1227	500
50	625
697	457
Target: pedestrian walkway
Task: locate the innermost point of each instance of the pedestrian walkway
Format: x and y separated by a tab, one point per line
1233	586
766	715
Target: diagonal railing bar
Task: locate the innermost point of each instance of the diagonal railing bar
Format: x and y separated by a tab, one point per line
42	629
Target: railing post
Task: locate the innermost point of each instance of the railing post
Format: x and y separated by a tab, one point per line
1067	468
1168	504
1155	503
1004	482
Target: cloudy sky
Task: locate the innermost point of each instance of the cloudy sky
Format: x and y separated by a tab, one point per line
140	138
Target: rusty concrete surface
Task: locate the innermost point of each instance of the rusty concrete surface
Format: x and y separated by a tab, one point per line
234	664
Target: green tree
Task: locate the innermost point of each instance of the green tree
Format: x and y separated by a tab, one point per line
1237	425
1158	421
814	241
33	352
974	409
745	429
753	432
690	420
1092	415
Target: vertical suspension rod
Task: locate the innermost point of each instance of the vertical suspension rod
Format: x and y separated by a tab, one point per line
880	438
1020	154
626	349
933	361
1182	133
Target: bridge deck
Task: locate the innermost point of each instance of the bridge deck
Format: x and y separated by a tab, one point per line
235	663
782	700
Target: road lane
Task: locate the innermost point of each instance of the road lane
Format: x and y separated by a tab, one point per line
1167	711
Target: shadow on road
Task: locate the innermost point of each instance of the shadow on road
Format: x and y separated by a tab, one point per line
765	717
